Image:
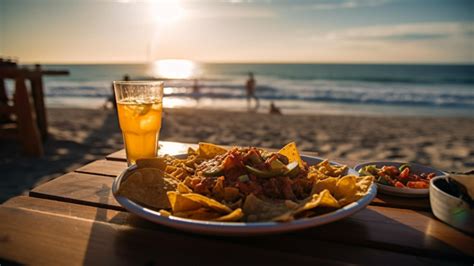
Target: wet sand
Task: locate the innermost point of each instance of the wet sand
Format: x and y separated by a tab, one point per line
78	136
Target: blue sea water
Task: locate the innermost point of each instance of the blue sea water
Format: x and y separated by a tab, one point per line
356	89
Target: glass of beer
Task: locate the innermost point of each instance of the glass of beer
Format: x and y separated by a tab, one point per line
139	107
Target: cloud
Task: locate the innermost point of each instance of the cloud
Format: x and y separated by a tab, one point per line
405	32
342	4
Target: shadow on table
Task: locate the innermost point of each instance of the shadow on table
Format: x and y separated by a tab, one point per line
69	146
367	237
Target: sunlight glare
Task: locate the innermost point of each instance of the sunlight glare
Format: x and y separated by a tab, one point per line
168	90
168	11
174	68
173	102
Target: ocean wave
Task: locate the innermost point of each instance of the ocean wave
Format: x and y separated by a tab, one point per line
301	90
387	80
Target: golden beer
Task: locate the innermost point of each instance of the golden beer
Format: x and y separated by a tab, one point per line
139	107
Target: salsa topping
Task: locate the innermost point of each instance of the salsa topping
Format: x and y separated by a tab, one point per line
400	177
252	170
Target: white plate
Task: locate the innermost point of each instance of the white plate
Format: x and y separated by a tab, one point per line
403	192
241	228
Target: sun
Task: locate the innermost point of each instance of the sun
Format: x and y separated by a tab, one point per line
174	68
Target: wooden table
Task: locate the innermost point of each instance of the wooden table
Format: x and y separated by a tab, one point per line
74	219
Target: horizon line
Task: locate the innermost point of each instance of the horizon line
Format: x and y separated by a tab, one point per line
246	62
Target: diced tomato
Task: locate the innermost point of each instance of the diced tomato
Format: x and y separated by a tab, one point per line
399	184
201	188
403	177
405	173
417	184
232	160
390	170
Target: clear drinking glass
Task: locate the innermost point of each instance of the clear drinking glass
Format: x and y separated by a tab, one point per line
139	107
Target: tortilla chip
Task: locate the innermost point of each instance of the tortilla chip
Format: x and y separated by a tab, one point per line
180	203
327	169
148	186
314	174
208	202
236	215
291	152
209	150
191	151
256	209
183	189
158	163
354	188
346	187
322	184
198	214
363	183
324	199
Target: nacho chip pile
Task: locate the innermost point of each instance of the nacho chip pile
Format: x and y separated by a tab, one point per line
242	185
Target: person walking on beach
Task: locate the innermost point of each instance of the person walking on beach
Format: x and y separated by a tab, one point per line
196	94
250	86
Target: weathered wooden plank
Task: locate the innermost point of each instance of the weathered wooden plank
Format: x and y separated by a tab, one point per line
422	204
117	156
92	190
70	209
75	210
42	237
103	167
409	231
38	238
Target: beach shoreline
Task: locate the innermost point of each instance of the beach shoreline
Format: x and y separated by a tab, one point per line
289	107
78	136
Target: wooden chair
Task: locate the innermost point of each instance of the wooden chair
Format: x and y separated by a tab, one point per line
28	109
23	111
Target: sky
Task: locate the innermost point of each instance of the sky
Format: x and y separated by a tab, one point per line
324	31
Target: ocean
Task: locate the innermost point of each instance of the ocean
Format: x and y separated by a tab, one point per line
354	89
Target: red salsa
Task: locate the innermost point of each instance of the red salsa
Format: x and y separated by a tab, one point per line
400	177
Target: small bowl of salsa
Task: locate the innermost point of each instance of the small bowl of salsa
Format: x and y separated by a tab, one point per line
400	179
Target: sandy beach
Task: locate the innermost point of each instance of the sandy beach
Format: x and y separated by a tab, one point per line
78	136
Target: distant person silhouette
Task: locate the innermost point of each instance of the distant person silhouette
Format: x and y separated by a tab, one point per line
250	87
274	110
196	94
111	99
